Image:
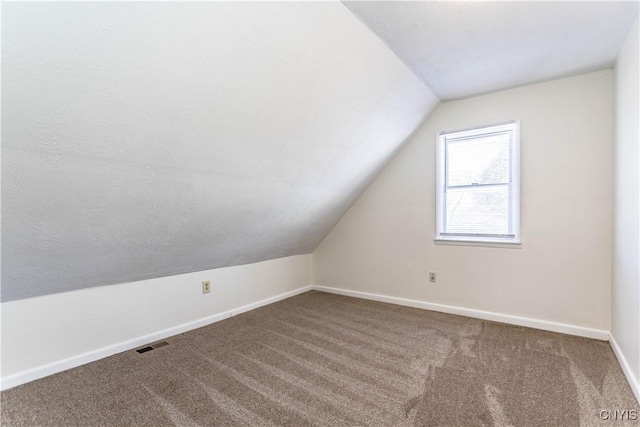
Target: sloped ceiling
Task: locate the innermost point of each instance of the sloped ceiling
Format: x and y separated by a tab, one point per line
148	139
465	48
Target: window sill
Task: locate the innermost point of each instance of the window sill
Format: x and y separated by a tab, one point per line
479	243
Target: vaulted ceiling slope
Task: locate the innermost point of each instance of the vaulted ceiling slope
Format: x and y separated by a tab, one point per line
465	48
148	139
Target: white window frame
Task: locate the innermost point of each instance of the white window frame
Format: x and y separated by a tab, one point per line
513	238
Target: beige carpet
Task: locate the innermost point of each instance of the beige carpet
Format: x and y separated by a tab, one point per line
328	360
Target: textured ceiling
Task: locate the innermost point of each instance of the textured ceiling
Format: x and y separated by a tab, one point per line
148	139
461	49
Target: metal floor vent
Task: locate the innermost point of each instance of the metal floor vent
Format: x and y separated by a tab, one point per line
152	347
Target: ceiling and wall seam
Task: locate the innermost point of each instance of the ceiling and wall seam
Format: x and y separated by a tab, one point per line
465	49
384	42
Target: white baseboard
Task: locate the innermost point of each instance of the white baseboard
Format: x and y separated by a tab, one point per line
267	301
91	356
81	359
546	325
633	381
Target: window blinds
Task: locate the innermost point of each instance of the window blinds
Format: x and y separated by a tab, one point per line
479	195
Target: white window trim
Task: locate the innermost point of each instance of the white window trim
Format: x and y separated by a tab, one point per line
477	240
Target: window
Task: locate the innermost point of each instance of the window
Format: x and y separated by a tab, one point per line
478	184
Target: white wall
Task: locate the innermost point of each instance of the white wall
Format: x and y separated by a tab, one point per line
625	295
145	139
43	335
562	273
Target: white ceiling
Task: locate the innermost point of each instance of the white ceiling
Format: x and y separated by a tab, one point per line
147	139
461	49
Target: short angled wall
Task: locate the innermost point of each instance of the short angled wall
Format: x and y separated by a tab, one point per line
45	335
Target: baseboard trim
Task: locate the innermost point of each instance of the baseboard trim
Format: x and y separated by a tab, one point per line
268	301
546	325
91	356
626	368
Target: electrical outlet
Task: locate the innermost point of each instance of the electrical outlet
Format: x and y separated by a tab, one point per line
432	277
206	287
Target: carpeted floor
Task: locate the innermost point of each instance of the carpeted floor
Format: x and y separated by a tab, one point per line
328	360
